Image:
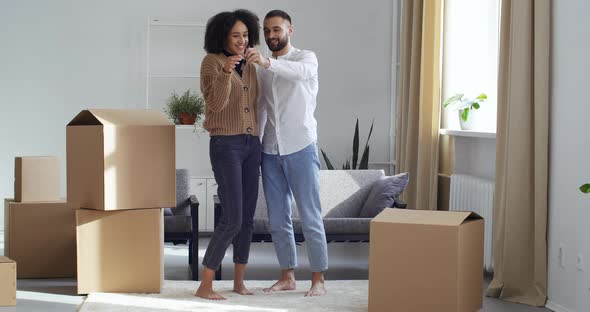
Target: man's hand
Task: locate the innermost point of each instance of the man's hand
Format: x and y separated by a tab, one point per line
253	57
231	63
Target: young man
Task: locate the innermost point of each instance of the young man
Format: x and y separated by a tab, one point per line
288	84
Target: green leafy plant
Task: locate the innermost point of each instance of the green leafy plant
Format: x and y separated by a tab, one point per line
585	188
187	104
351	163
457	102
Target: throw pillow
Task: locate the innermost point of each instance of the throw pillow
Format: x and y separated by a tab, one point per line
383	194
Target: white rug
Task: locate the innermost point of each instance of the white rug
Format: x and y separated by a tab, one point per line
179	296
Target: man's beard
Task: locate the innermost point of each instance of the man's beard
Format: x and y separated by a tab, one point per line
280	45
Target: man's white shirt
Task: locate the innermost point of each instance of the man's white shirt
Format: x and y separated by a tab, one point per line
287	96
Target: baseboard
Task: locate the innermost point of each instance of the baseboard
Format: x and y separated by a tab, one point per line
556	307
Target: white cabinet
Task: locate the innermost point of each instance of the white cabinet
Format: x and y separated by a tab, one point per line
205	188
192	151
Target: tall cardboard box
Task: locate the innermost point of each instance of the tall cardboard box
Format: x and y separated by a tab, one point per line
426	261
41	238
121	159
36	178
120	251
7	282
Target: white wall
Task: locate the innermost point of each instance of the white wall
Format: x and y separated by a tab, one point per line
59	57
569	209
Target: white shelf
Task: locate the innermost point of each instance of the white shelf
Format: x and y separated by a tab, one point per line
469	133
175	22
173	76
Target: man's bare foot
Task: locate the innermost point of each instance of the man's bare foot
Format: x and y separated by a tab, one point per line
242	290
317	289
282	284
208	293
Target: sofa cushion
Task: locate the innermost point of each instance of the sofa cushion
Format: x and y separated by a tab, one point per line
383	194
178	224
336	186
350	207
331	226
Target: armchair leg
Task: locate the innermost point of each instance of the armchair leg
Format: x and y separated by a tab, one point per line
190	252
218	274
193	259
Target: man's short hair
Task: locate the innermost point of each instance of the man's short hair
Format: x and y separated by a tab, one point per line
279	13
219	26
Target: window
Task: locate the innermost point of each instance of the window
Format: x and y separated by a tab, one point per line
470	58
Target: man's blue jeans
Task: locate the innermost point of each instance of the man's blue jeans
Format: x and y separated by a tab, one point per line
296	173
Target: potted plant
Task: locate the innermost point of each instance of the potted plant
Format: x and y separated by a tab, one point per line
464	106
585	188
352	163
185	109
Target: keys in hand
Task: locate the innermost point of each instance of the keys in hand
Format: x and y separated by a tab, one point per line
253	57
231	63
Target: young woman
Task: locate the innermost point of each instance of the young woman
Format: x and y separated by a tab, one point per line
228	83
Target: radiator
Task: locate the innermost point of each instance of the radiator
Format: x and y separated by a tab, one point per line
469	193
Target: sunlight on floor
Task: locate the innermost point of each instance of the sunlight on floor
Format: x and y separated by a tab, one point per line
44	297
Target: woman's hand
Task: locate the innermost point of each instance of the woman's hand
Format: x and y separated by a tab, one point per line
231	63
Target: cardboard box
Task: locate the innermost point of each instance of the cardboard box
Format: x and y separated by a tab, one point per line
120	251
41	238
7	282
121	159
426	261
36	179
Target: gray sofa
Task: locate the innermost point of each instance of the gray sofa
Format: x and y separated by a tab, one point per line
343	194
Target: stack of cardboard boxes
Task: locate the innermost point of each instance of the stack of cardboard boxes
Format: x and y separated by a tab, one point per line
40	227
121	172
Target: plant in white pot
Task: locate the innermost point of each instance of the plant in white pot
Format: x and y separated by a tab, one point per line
464	105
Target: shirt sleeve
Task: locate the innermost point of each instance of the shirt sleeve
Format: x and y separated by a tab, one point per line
302	69
215	84
260	106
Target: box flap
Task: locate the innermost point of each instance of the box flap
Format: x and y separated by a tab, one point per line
131	117
84	118
425	217
121	117
5	260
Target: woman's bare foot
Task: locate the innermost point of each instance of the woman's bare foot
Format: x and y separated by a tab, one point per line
208	293
241	289
205	289
280	285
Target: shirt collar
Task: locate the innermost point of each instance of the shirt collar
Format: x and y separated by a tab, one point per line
291	50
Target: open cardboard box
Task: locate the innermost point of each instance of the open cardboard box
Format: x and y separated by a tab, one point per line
121	159
426	261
